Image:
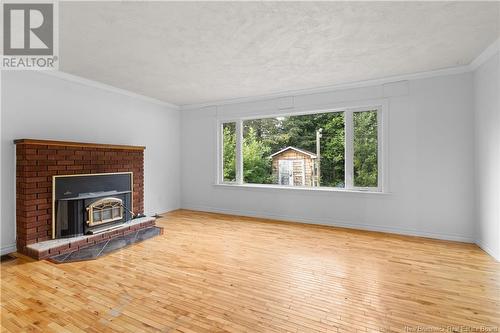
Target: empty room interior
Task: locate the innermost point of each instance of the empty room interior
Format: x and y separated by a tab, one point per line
250	166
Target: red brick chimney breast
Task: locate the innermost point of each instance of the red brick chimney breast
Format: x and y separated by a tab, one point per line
37	161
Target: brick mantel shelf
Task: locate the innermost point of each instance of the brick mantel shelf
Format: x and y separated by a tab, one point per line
39	160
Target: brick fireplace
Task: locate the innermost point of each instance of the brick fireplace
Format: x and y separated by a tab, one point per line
38	161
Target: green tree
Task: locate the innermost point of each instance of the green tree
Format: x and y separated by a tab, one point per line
229	151
365	149
256	159
333	152
301	131
269	131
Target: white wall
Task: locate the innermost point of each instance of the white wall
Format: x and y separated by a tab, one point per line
430	163
487	121
42	106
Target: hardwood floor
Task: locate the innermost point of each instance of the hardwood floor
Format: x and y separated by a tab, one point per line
219	273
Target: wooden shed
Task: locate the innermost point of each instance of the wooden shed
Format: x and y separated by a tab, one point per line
293	166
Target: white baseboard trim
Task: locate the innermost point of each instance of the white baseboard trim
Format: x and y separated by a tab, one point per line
488	250
332	223
8	249
159	211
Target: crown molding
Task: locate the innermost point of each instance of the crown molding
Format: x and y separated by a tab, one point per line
95	84
485	55
331	88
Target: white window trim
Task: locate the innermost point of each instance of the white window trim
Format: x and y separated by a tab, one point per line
381	106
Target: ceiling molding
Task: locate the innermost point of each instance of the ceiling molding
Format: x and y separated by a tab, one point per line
103	86
350	85
485	55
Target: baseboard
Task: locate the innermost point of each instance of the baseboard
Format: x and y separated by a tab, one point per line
152	212
8	249
488	250
332	222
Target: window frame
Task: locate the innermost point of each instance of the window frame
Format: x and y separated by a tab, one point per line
380	107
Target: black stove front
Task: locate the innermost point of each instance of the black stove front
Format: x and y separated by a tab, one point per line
89	204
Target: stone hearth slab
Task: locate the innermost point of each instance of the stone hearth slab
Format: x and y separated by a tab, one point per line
97	250
55	247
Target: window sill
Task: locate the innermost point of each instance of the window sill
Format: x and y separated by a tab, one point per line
298	188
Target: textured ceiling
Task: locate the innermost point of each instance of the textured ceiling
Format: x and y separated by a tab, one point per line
195	52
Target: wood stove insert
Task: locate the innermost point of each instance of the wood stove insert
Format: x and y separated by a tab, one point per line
90	204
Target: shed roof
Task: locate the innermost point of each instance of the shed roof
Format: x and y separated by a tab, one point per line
302	151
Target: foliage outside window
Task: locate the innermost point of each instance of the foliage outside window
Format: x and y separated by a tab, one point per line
365	149
229	152
305	150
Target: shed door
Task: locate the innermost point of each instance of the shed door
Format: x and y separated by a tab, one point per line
299	173
286	172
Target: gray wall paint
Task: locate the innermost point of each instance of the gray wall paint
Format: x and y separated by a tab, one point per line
430	164
41	106
487	129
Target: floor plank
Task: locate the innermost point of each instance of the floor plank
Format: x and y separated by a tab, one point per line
221	273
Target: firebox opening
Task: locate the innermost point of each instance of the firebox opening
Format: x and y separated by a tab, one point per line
89	204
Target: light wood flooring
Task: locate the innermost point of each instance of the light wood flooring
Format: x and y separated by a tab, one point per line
220	273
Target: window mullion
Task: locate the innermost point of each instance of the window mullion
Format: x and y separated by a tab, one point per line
349	149
239	152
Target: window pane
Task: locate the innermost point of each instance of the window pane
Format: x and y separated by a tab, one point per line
258	138
229	152
106	214
283	150
365	149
